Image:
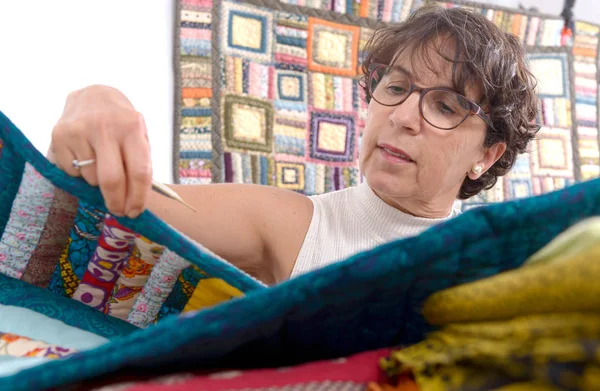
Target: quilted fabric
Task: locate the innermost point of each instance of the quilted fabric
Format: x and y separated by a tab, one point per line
19	293
78	268
18	346
371	300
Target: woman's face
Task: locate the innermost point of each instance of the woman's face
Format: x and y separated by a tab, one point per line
427	180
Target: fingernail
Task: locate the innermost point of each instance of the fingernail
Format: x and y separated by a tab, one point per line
114	212
133	213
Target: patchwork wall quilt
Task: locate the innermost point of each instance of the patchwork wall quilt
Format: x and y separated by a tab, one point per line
166	303
267	92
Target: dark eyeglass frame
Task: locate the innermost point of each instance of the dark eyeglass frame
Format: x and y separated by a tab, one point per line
474	108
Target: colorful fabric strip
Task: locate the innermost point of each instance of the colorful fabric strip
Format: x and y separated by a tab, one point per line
157	289
114	247
181	293
26	223
18	346
45	257
80	246
133	277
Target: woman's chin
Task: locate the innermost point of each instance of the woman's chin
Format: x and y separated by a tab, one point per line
390	185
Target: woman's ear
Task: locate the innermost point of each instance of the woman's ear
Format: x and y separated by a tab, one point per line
490	156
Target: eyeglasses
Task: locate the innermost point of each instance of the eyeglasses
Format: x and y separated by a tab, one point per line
440	107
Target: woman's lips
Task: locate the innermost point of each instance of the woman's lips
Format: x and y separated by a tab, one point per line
395	155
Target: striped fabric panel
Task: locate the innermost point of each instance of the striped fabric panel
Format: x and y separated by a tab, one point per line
114	247
160	284
26	222
46	255
80	247
133	277
182	292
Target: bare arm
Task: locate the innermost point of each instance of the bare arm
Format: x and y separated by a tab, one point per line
257	228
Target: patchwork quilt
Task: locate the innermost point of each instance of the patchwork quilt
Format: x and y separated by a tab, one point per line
268	92
165	302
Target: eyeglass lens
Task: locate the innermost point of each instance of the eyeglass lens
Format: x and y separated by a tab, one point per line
441	108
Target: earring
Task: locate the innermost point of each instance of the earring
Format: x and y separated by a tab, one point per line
477	169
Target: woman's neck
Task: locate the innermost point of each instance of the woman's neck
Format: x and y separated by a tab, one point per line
441	209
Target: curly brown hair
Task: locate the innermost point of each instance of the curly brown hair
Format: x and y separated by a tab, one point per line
484	56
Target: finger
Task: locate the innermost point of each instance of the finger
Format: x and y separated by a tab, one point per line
138	169
66	141
64	160
60	151
111	175
84	151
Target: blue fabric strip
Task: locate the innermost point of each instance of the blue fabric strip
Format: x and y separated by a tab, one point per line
292	106
264	168
196	112
586	100
195	155
289	145
292	41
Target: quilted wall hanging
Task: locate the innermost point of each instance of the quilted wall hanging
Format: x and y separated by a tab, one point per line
566	149
267	92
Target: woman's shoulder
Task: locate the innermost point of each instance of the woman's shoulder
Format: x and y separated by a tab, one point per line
334	200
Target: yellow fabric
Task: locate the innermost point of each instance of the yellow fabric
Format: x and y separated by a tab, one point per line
70	279
332	137
533	328
563	276
246	32
528	386
239	75
250	123
290	176
209	292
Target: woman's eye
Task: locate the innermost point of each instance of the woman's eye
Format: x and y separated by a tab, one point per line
444	108
396	89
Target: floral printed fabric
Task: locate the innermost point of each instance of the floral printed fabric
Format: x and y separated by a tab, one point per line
133	277
157	289
80	247
114	247
52	241
26	223
18	346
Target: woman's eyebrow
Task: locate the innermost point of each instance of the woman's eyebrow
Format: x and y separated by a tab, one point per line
400	68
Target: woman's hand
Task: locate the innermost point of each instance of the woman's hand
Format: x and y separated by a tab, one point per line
100	123
235	221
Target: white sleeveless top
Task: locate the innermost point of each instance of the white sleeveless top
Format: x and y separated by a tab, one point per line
352	220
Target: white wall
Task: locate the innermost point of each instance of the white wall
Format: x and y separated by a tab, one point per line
49	48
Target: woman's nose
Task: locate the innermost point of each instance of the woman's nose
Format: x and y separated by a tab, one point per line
407	115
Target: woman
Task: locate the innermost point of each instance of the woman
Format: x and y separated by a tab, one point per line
451	105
